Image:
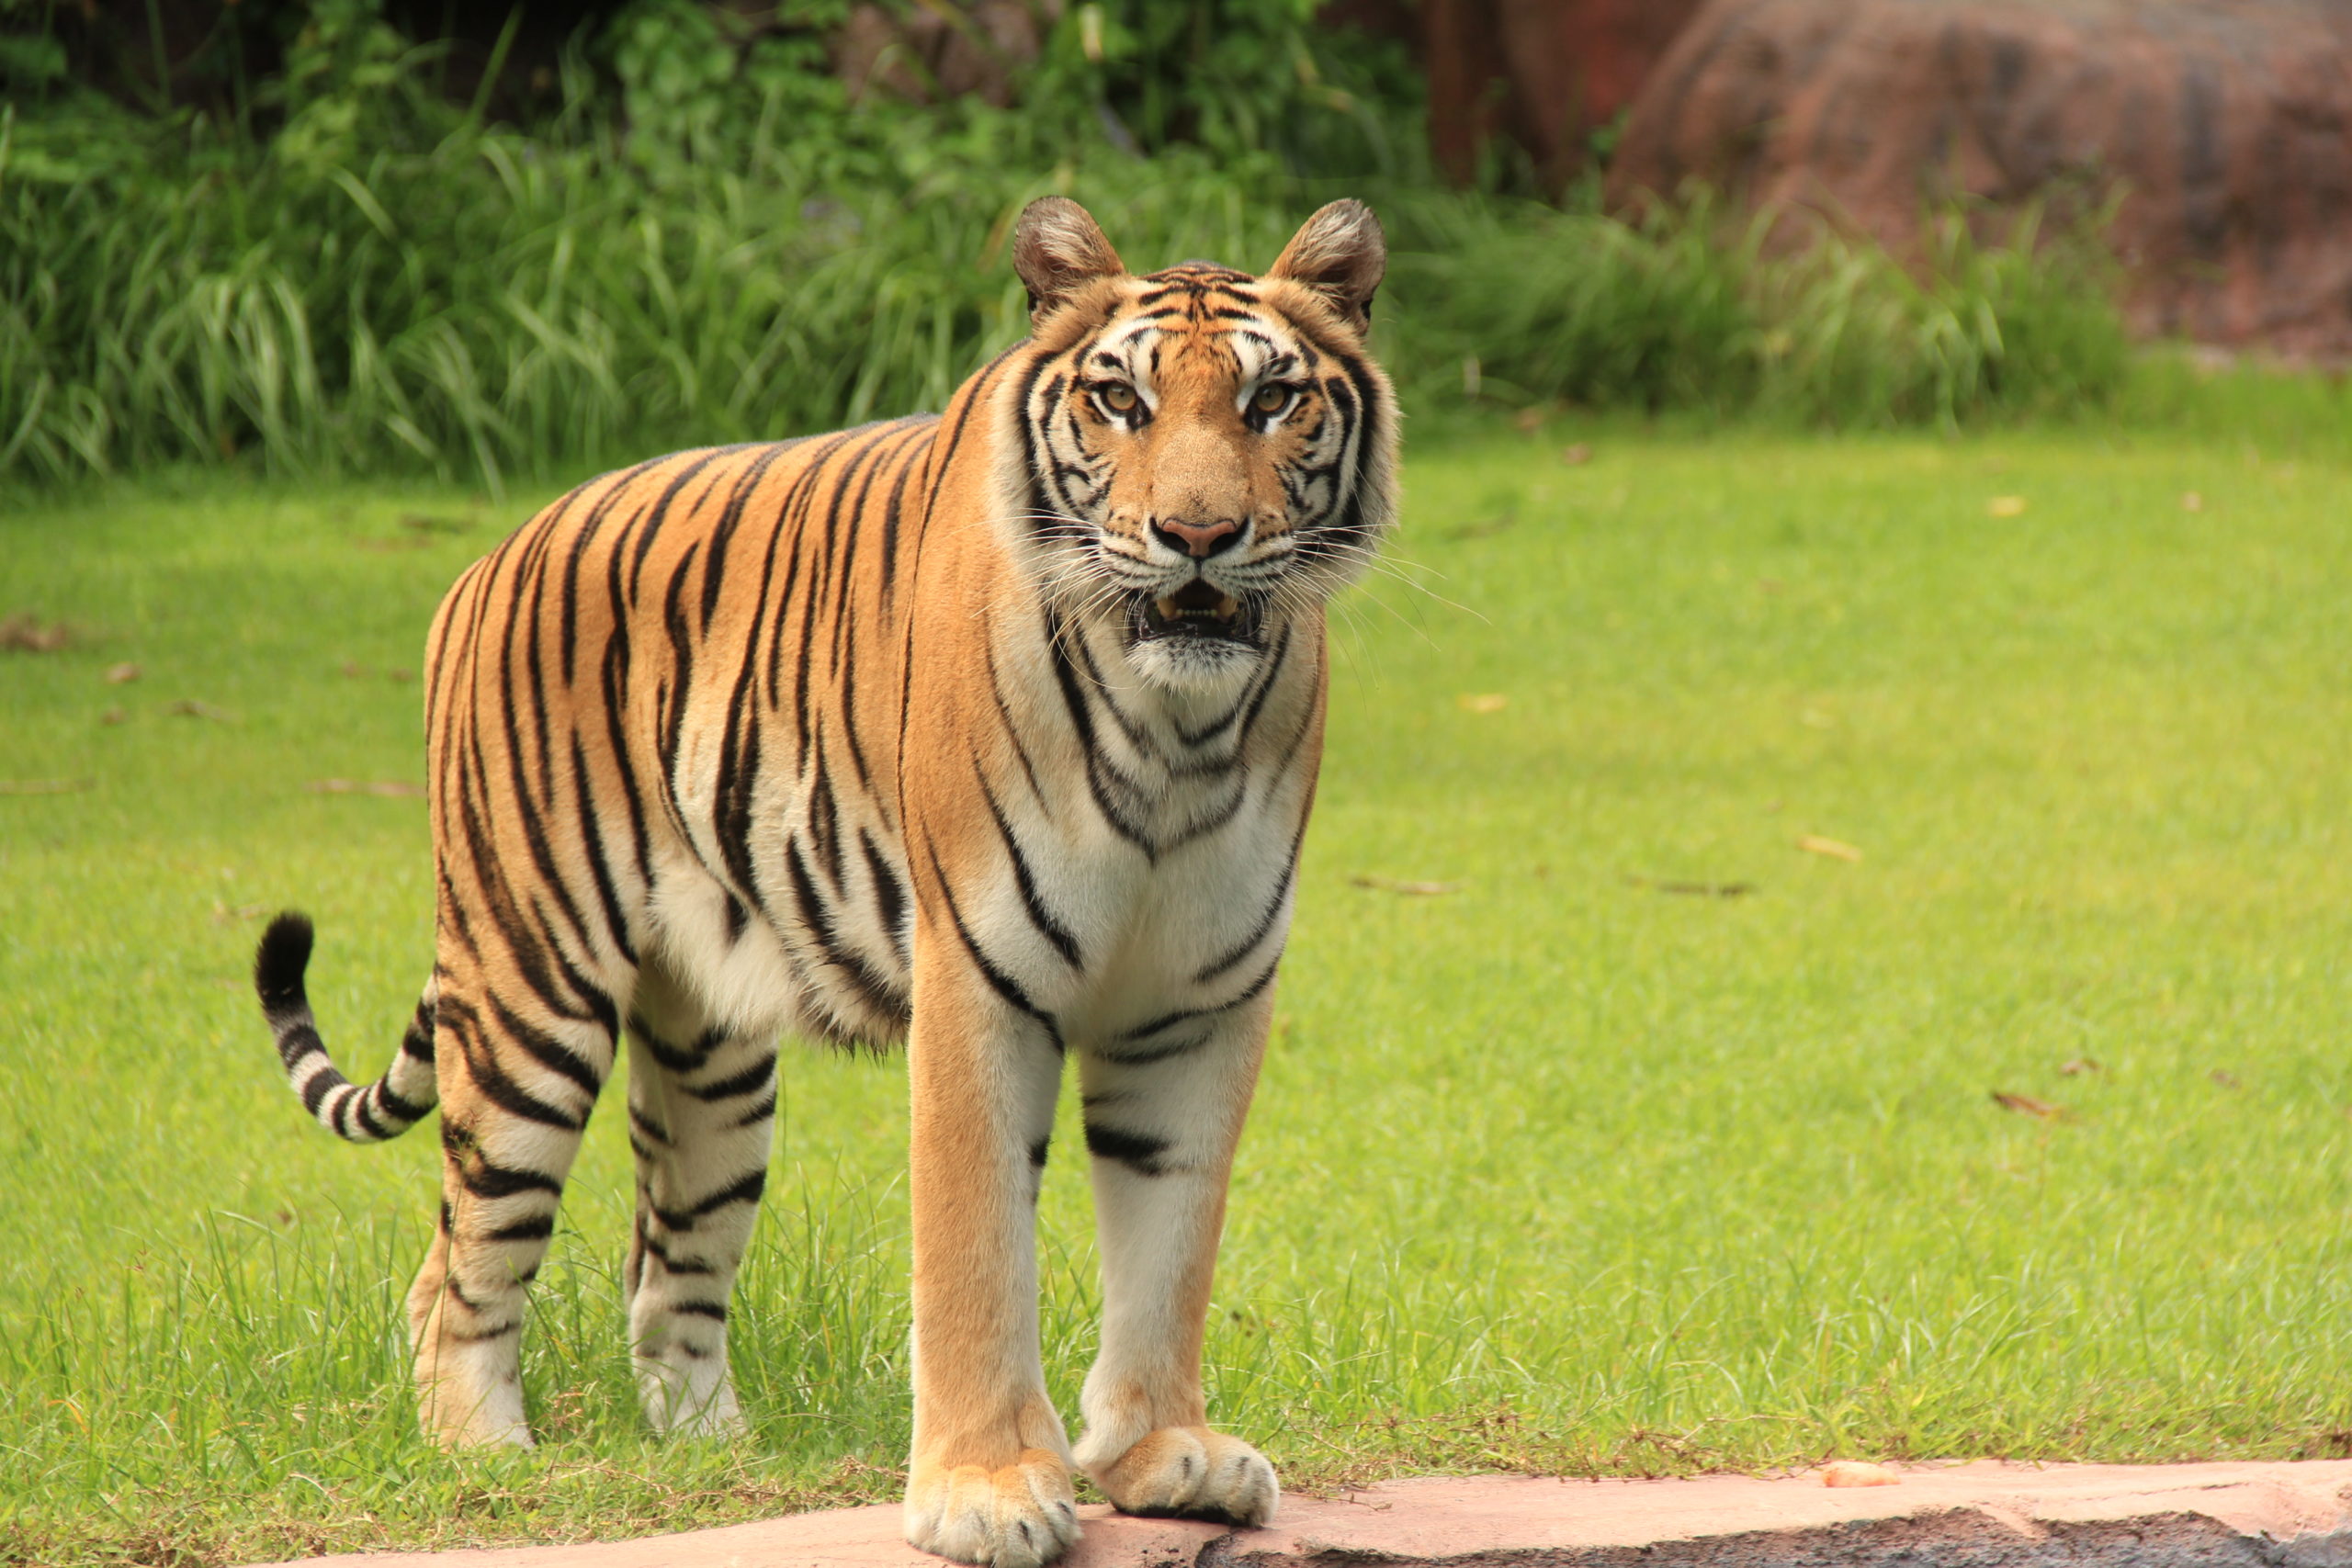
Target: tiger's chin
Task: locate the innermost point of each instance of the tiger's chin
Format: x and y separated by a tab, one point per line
1197	639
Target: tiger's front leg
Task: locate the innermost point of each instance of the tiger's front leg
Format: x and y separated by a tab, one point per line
988	1480
1163	1113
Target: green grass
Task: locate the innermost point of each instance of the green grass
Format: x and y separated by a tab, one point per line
1560	1170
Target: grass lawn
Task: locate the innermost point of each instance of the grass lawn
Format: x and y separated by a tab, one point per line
1655	1143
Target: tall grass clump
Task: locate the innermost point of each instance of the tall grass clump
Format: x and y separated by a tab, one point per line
1691	305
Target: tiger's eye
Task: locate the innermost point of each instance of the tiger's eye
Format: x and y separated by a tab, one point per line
1272	398
1119	398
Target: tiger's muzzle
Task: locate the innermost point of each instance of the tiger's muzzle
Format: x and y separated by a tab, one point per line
1201	611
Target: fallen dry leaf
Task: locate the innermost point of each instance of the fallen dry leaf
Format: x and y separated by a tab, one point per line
43	786
1529	420
2223	1076
1855	1472
1390	885
2026	1105
392	787
1814	844
114	715
1482	702
1577	456
1696	889
225	914
2006	506
2080	1065
122	673
188	707
2191	502
24	633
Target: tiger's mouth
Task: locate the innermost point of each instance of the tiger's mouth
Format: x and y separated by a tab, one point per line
1198	610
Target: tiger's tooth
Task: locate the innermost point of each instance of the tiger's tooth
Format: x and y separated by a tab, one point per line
1167	608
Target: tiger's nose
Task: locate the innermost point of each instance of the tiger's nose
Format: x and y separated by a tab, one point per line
1199	540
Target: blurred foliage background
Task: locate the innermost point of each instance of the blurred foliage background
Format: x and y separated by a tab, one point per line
311	237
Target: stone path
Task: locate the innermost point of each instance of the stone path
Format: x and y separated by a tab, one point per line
1984	1515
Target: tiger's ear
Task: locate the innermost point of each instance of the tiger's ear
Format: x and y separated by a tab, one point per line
1342	254
1057	247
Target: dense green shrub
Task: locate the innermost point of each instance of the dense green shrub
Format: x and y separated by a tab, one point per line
1688	305
709	241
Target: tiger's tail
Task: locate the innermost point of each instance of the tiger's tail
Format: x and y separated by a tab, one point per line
385	1108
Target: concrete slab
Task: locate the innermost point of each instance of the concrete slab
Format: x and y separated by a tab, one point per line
1982	1515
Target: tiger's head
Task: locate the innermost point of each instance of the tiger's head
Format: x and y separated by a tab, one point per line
1204	454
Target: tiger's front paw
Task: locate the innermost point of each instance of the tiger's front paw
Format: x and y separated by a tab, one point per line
1191	1472
1021	1515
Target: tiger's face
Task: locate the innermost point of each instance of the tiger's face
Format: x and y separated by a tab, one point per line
1209	454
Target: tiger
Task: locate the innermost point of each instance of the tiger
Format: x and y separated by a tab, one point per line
994	731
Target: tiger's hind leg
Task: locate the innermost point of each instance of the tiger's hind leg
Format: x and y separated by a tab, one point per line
519	1074
701	1121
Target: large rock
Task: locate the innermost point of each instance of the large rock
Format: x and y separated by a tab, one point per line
2227	122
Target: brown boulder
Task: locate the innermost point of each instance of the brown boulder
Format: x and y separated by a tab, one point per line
2228	124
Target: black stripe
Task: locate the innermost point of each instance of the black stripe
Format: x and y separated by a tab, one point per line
874	990
1003	983
484	1179
889	896
417	1041
1004	714
752	1077
745	1190
676	1059
1052	930
730	518
1082	720
1233	956
891	512
1139	1152
1170	1020
600	871
546	1049
363	1110
1217	818
325	1083
655	1245
497	1086
385	1098
615	678
298	1043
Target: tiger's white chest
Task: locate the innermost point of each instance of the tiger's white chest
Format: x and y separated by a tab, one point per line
1158	853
